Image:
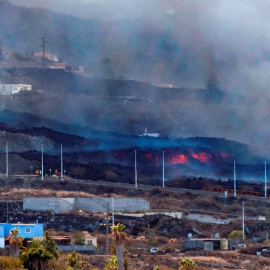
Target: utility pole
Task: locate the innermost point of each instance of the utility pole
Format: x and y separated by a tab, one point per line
42	176
1	50
62	162
243	220
6	158
7	211
43	42
163	171
112	210
136	181
265	180
234	178
107	235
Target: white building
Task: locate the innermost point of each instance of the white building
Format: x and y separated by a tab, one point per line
150	134
11	89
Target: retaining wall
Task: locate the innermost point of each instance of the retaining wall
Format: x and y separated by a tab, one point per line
65	205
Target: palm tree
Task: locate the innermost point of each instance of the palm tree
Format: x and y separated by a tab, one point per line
187	264
15	242
36	257
119	238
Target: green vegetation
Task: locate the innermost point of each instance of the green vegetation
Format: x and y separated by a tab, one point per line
236	235
10	263
187	264
112	263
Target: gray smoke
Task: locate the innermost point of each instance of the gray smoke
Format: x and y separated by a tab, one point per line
186	43
222	40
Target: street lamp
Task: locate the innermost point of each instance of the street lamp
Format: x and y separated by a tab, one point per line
106	223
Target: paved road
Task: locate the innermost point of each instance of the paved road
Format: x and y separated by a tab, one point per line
142	187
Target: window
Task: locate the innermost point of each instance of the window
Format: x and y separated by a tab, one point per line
27	229
89	242
17	228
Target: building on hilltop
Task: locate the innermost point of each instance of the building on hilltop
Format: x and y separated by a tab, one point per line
12	89
67	67
147	134
49	56
34	230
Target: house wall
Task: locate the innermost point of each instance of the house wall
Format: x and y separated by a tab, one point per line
93	239
36	230
2	242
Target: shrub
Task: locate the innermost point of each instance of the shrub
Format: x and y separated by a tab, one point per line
236	235
10	263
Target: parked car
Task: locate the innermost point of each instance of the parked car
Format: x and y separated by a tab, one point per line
264	251
153	250
239	246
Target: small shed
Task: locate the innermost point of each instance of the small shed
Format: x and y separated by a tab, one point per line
205	244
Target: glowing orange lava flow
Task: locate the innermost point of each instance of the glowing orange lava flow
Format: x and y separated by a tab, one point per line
224	155
179	159
202	157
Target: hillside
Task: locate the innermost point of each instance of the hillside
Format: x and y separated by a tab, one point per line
81	41
102	155
127	107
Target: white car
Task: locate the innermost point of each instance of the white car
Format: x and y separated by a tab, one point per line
153	250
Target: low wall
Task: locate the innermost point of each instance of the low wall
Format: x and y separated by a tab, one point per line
77	248
105	204
58	205
65	205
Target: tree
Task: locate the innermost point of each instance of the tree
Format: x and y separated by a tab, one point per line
236	235
119	238
15	242
79	172
39	254
187	264
79	238
109	175
49	244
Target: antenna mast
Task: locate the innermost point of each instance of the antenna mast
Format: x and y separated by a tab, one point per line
234	177
265	180
243	219
6	158
61	162
163	171
135	168
42	176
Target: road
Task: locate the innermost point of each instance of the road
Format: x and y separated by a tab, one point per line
142	187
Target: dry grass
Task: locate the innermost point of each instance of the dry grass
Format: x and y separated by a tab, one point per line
19	193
